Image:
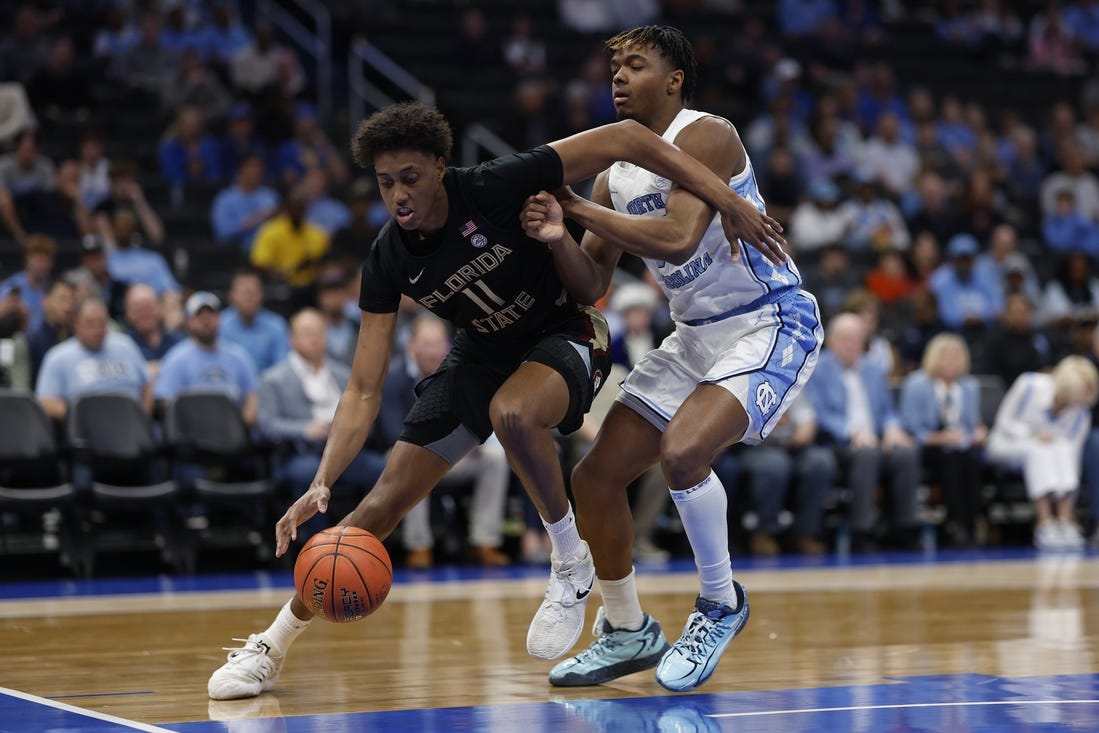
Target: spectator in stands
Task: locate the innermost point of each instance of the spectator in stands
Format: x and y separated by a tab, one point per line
1025	169
925	256
246	323
96	359
26	177
830	154
1003	264
178	34
129	262
922	326
929	208
982	206
857	417
206	362
241	140
789	459
256	68
33	281
800	18
144	318
940	408
634	303
819	221
93	279
329	213
1014	347
25	50
781	181
297	399
890	280
1073	293
288	248
341	332
239	210
60	90
876	221
147	65
596	16
56	324
224	37
531	118
879	96
126	194
831	279
194	85
114	38
187	152
351	242
1066	230
888	158
95	180
867	306
486	467
965	301
524	53
1041	427
309	148
1052	45
1073	176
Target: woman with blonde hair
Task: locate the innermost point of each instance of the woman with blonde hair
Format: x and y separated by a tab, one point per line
1040	428
940	408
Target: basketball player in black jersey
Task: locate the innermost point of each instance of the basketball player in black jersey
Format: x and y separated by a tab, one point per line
526	359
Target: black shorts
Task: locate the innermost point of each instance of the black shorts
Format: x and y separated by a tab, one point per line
458	395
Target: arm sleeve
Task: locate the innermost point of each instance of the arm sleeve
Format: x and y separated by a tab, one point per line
501	185
379	293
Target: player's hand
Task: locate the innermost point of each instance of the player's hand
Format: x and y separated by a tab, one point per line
309	504
742	220
542	218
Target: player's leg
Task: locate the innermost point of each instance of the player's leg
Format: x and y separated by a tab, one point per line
628	640
763	361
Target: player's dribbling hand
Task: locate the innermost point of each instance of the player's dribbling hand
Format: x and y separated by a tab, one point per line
542	218
745	222
312	501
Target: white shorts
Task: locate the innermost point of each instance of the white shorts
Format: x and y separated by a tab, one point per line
763	358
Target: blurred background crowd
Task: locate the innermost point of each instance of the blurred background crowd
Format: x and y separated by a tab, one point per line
178	212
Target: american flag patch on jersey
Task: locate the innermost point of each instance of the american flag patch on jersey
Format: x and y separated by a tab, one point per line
469	228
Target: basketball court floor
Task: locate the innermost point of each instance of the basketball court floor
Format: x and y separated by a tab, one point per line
1005	641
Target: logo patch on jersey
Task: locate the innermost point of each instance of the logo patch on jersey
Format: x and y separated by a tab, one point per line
468	228
478	240
765	397
661	182
412	280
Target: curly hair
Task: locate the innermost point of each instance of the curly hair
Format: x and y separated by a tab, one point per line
403	126
672	45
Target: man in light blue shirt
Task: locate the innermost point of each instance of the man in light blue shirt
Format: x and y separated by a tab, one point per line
205	362
965	301
246	323
239	209
132	264
34	279
95	360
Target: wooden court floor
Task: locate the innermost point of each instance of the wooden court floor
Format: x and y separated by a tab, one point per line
146	657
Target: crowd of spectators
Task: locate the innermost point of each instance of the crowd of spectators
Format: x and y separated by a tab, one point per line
912	214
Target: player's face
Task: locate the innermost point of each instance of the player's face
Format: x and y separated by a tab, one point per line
642	82
411	185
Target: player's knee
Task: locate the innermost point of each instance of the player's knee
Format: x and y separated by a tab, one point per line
684	464
511	422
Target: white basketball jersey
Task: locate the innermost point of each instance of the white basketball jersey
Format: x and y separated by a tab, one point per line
710	283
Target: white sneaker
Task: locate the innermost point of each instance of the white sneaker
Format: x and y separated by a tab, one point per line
1047	536
556	627
1071	538
249	670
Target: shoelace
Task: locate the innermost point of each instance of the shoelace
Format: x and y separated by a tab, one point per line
248	648
699	628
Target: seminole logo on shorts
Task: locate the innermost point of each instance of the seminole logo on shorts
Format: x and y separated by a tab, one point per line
765	397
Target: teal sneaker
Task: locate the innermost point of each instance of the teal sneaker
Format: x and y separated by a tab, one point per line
708	632
615	653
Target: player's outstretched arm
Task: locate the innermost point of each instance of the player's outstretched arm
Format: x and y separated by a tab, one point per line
587	153
358	407
585	270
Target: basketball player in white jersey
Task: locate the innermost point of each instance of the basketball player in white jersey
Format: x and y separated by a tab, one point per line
746	340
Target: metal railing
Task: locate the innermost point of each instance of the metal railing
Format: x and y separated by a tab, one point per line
366	95
476	138
317	43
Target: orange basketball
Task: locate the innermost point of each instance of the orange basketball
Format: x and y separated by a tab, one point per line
343	574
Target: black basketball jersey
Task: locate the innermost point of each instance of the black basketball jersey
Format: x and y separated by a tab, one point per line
482	273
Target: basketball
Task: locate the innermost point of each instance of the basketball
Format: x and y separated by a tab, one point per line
343	574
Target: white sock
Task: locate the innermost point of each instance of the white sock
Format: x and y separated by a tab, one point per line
702	510
564	536
285	628
621	604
